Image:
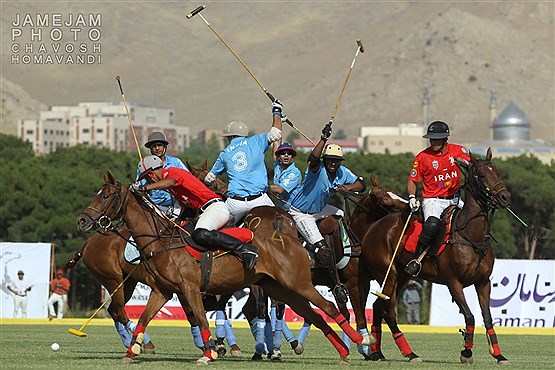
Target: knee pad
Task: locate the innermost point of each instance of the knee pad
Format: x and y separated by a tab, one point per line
429	229
202	236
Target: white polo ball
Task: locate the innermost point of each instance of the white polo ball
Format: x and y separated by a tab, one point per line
55	346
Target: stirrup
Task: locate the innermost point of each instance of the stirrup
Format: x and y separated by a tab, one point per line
249	254
340	293
413	268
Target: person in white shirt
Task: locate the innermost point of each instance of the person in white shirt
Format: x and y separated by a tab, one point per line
19	288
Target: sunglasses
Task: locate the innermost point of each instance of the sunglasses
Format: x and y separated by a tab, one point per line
286	152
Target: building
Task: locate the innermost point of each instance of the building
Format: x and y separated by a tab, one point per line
102	124
511	131
406	137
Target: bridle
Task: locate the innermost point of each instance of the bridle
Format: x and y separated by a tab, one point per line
483	193
101	218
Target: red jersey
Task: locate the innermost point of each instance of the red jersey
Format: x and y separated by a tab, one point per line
437	171
60	286
188	190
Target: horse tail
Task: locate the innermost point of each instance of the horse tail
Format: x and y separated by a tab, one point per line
72	262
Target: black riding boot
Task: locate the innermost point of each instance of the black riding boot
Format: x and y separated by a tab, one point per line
425	238
325	257
214	239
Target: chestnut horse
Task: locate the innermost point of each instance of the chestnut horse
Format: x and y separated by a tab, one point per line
467	259
282	269
375	204
103	254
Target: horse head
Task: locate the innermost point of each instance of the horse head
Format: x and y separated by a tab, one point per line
217	186
106	206
485	184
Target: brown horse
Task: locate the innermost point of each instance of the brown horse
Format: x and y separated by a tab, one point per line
110	268
282	269
467	259
375	204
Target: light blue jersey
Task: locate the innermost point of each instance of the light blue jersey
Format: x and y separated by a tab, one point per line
290	180
243	161
317	187
161	197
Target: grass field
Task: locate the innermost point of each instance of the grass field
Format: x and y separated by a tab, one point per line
28	347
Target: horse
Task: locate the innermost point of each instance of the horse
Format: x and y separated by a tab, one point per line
375	204
466	260
111	269
282	269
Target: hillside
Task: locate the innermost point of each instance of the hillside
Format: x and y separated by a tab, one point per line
301	52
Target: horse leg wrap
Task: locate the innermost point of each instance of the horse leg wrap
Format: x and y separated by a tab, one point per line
209	348
469	337
402	343
337	342
376	332
137	341
364	349
493	345
347	329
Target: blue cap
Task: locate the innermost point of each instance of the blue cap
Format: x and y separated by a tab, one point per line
286	146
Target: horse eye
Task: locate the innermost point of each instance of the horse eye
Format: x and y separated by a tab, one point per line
105	195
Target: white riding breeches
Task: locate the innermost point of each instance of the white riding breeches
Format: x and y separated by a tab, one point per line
60	299
214	217
239	208
435	206
306	222
20	302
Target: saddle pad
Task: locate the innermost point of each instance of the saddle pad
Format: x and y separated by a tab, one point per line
411	236
243	234
131	253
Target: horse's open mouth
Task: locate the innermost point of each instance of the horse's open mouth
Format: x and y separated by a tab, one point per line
84	223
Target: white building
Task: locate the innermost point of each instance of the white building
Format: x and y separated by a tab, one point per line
101	124
406	137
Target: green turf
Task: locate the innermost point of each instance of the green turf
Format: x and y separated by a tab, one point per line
28	346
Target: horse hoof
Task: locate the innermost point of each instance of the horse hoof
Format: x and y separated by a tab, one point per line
375	356
299	349
236	351
256	357
203	361
221	350
415	360
276	355
344	360
467	357
126	360
502	360
149	349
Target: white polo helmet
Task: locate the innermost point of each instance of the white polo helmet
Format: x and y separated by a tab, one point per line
149	163
333	151
236	128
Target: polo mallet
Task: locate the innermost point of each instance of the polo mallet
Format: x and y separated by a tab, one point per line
118	78
360	49
80	332
270	96
380	294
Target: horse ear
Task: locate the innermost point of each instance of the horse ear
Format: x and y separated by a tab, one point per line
374	181
488	154
188	165
204	164
109	178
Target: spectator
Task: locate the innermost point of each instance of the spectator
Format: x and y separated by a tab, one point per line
411	298
19	288
59	287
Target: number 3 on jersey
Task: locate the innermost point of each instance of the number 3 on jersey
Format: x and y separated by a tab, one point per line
240	161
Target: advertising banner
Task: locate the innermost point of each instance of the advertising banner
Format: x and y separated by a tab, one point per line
522	295
34	260
173	311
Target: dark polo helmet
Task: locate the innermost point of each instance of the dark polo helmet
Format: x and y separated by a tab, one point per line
437	130
156	137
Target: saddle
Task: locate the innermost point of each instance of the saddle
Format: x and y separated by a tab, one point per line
410	239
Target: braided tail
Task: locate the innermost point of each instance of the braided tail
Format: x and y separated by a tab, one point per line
72	262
